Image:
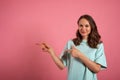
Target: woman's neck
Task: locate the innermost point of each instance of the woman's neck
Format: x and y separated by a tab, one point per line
85	38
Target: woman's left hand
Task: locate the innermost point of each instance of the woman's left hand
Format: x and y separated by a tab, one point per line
74	52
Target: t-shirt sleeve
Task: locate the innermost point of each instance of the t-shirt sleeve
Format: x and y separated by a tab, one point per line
100	56
64	56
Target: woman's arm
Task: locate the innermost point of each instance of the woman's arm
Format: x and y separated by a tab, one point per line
46	48
94	67
57	61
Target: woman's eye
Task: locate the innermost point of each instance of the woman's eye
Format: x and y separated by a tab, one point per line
80	25
86	25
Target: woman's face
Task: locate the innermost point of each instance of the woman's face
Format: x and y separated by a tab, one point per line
84	28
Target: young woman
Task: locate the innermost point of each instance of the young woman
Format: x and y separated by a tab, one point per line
84	55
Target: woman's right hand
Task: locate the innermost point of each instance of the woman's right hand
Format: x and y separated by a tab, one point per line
46	48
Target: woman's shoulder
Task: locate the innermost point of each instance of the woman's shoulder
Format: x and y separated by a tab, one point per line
101	44
70	42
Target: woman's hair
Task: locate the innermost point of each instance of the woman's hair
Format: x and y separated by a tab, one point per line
93	38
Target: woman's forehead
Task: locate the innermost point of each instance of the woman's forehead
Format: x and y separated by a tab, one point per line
83	21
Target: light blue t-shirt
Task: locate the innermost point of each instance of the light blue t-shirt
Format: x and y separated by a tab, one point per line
76	69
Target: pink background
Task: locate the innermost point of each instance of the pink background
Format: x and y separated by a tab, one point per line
26	22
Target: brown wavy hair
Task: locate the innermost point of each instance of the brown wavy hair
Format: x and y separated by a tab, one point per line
93	38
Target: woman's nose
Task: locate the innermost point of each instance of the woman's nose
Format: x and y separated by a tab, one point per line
83	28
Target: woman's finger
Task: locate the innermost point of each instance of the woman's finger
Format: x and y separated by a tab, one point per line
45	49
68	50
73	47
46	45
